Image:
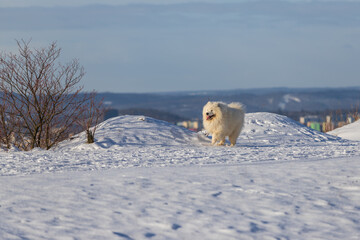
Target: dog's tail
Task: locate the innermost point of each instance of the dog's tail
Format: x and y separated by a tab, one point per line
237	106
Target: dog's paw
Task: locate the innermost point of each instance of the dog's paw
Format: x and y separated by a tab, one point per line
204	132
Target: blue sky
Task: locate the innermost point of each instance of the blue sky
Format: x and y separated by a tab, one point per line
157	46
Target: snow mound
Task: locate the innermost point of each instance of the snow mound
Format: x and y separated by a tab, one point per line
350	131
137	141
260	128
135	131
272	128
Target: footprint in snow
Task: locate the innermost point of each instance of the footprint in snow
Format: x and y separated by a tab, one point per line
175	226
122	235
216	194
149	235
254	228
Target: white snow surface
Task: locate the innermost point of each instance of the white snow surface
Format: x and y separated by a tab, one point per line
148	179
350	131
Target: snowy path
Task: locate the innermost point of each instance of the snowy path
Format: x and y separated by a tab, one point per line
287	200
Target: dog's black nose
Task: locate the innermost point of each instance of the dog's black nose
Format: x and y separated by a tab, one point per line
207	114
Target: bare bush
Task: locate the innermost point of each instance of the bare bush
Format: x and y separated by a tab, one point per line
40	98
92	116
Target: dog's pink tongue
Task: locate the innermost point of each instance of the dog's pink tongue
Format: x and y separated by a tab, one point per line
207	117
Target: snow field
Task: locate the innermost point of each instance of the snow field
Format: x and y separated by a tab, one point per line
288	200
147	179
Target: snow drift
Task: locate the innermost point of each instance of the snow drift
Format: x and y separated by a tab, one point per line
278	129
133	131
350	131
145	131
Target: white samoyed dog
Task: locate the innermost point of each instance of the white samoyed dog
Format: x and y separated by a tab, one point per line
223	120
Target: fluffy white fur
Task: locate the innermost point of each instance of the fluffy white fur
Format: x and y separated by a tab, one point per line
223	120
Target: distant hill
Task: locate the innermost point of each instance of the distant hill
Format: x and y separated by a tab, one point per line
189	104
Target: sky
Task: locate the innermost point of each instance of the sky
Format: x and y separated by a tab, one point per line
179	45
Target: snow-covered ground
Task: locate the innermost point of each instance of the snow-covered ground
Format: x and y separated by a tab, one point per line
350	131
147	179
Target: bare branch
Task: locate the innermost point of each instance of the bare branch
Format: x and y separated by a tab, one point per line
41	96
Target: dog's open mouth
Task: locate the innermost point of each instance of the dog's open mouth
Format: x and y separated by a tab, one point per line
209	116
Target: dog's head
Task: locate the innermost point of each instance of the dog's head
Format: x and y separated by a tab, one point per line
211	110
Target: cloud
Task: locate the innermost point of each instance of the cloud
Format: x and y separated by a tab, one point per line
245	14
56	3
151	47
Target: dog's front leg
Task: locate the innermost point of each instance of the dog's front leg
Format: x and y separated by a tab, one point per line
222	141
214	139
